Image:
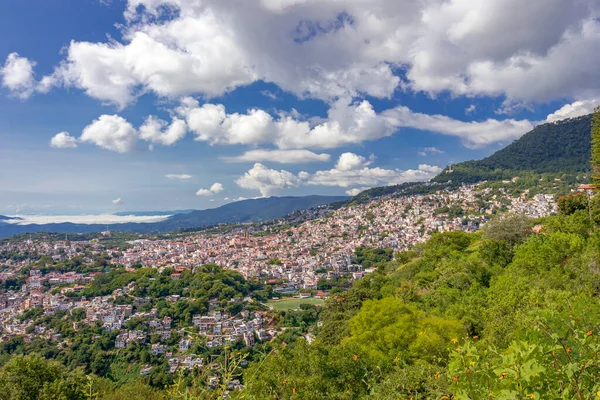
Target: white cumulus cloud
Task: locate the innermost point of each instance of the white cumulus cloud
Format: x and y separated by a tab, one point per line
115	133
348	122
473	134
111	132
268	181
575	109
354	170
156	130
63	140
355	191
214	189
18	76
329	49
350	161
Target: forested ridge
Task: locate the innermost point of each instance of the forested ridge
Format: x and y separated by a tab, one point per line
559	147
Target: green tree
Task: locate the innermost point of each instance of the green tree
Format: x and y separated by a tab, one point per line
390	330
596	148
511	229
34	378
568	204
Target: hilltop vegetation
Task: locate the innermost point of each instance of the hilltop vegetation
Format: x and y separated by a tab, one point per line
556	148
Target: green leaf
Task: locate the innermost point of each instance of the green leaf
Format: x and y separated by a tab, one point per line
531	369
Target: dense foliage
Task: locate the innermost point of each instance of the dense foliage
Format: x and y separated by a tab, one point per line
505	313
370	257
560	147
596	147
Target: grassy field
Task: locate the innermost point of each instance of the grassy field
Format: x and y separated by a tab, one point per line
293	304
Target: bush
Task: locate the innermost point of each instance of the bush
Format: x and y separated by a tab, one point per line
512	229
33	377
567	205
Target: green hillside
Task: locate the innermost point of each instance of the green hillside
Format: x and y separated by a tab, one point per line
561	147
501	314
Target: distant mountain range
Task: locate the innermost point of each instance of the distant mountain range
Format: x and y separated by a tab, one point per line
559	147
254	210
153	213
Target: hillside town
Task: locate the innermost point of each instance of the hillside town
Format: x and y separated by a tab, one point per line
292	258
294	253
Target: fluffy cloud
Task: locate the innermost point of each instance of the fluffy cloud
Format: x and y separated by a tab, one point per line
155	130
347	123
211	123
279	156
111	132
336	51
193	54
17	75
576	109
464	48
350	161
214	189
355	191
63	140
204	192
430	168
329	49
353	170
181	177
473	134
269	181
350	170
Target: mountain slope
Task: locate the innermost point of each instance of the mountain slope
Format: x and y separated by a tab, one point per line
253	210
153	213
561	147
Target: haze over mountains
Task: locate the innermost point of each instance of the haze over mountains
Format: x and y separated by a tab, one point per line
253	210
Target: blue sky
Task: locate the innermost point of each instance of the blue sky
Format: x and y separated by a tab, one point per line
121	105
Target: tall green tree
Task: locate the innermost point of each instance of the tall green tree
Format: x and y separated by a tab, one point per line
596	148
